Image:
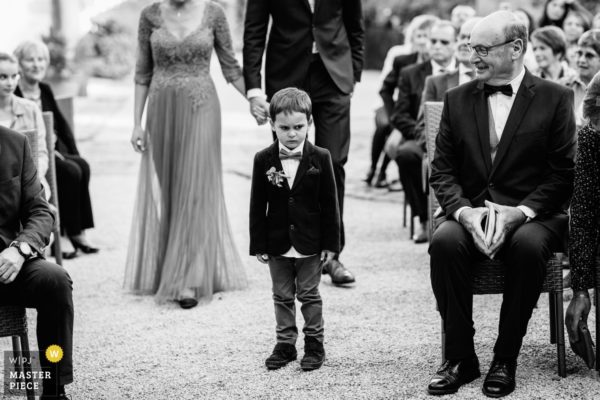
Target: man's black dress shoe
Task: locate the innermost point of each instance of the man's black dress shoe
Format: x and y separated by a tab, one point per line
500	379
283	353
314	354
452	375
339	274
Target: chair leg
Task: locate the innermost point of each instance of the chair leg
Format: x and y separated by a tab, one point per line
27	367
404	206
56	246
552	307
443	343
17	353
560	333
412	224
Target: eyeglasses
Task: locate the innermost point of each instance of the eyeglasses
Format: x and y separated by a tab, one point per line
483	51
442	41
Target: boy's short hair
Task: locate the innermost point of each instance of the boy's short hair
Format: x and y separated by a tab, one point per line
290	100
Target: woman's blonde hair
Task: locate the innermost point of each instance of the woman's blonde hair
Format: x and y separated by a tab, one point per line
25	47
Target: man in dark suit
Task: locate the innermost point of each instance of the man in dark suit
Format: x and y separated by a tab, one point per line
315	45
506	140
406	109
26	279
436	86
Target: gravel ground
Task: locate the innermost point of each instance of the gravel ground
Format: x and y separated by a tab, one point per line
382	334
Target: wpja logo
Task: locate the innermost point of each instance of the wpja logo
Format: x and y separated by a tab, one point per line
23	373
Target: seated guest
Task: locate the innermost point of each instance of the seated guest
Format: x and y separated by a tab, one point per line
415	50
72	171
506	140
555	11
585	211
460	13
549	46
21	115
574	25
404	118
588	64
26	279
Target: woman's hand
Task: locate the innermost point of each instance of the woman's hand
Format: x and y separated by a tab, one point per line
577	310
138	139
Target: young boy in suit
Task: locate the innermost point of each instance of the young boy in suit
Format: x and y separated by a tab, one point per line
294	225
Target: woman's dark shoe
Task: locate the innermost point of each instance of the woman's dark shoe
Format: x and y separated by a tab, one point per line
187	302
66	255
369	178
83	247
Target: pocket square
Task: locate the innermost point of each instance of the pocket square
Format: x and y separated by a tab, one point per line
313	171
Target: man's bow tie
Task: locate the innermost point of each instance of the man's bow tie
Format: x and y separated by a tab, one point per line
288	155
504	89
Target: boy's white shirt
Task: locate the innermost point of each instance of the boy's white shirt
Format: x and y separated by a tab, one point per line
290	167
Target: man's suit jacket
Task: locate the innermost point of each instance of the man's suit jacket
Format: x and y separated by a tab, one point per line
534	160
306	215
24	212
435	89
65	143
410	90
336	27
392	80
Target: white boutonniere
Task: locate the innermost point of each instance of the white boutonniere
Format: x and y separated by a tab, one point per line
276	177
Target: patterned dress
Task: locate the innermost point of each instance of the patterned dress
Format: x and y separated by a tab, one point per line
180	236
585	210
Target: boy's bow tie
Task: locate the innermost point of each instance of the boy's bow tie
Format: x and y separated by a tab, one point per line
288	155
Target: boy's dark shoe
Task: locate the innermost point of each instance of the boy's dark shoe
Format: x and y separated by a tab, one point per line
452	375
283	353
314	354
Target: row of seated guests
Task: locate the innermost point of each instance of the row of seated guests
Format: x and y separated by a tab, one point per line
28	96
404	88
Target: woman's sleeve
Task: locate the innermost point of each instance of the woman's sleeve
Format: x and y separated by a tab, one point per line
144	63
583	240
229	64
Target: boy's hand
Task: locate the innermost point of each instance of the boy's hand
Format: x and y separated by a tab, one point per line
263	258
327	256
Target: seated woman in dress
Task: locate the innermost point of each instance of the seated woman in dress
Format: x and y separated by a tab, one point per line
549	46
585	211
72	171
21	115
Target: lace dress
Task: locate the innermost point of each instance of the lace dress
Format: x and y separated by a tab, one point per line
180	236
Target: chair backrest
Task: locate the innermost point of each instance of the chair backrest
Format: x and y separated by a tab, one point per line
433	115
32	138
51	173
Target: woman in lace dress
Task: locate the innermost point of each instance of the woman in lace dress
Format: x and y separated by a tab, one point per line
181	246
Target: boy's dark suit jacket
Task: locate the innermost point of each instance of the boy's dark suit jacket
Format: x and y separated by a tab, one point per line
534	161
307	216
336	27
24	213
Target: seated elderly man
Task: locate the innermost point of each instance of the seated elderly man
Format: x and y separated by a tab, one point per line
506	140
26	279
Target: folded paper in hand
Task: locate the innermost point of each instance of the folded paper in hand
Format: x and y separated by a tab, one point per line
488	223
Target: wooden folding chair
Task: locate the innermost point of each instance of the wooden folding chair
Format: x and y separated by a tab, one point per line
489	276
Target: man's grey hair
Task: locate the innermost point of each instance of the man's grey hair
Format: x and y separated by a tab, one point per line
517	30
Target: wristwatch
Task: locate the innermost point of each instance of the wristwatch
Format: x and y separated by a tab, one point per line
23	248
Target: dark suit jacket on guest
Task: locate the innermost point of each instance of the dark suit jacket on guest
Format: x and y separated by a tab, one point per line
305	216
391	81
65	143
534	160
410	90
336	27
24	212
435	89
